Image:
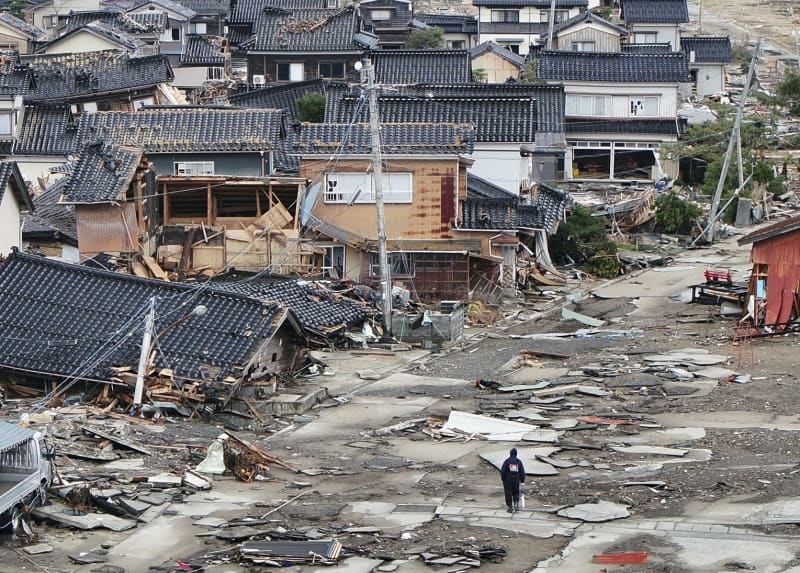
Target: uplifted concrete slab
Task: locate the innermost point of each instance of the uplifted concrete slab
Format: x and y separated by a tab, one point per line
533	523
381	514
695	389
549	436
595	512
730	419
400	382
650	450
492	429
715	372
531	374
667	437
531	414
533	467
786	511
57	513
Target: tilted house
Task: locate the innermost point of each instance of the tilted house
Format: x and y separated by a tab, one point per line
66	321
14	201
707	59
460	32
291	45
773	296
655	21
204	59
519	24
17	35
621	107
505	116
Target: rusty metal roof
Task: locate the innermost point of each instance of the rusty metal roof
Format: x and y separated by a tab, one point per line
780	228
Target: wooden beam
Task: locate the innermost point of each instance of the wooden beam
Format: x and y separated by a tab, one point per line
210	206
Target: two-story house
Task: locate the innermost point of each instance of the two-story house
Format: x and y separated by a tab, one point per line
148	27
52	15
587	32
304	44
178	27
17	35
460	32
708	57
94	36
620	108
390	20
519	24
655	21
506	117
210	16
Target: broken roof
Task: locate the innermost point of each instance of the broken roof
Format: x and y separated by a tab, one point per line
168	6
318	310
612	67
32	32
306	30
207	7
422	66
173	130
588	16
655	11
154	22
45	130
707	49
61	319
77	76
51	220
204	50
101	174
396	138
15	77
789	225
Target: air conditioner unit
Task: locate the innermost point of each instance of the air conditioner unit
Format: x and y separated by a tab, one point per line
259	80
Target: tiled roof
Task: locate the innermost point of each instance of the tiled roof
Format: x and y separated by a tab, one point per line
496	119
655	11
101	174
107	32
15	78
46	130
167	5
422	66
21	25
9	174
203	50
280	30
662	47
451	24
396	138
239	34
588	17
533	3
612	67
316	310
486	208
500	112
207	7
281	96
148	22
661	126
504	53
184	130
70	320
708	49
51	219
480	188
248	11
76	76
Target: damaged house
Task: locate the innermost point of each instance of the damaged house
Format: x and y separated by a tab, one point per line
82	328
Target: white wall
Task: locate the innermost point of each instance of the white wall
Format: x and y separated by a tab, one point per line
500	164
81	42
10	225
62	8
621	94
664	33
710	79
527	14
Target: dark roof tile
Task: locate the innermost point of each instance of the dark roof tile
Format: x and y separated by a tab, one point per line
102	174
167	5
663	126
612	67
15	77
46	130
301	30
422	66
663	47
708	49
107	31
51	219
203	50
279	96
486	208
655	11
207	7
451	24
544	4
32	32
144	23
166	130
55	316
504	53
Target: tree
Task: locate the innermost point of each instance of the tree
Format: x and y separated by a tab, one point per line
311	107
674	215
426	39
529	73
15	8
788	91
582	239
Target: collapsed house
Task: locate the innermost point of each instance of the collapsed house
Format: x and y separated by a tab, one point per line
773	296
81	330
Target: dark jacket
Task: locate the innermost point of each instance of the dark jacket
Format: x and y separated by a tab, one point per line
513	470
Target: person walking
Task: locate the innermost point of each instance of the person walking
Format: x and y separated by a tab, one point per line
512	473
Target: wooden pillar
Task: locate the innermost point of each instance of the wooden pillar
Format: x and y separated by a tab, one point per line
258	202
139	205
210	205
167	213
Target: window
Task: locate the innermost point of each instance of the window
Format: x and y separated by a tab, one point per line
645	38
290	72
456	44
560	15
400	265
215	73
333	262
505	16
171	35
331	70
380	15
513	48
6	124
50	21
646	106
194	168
588	105
583	46
352	188
199	28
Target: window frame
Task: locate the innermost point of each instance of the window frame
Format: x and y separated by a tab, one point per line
342	75
560	16
351	188
504	16
638	106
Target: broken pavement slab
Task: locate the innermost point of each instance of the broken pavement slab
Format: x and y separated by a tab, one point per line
650	450
596	512
58	513
492	429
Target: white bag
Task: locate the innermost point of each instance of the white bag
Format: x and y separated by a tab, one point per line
521	503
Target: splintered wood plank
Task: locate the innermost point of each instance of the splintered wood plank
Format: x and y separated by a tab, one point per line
155	268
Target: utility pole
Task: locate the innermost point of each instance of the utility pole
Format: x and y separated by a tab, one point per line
377	185
147	340
735	135
551	24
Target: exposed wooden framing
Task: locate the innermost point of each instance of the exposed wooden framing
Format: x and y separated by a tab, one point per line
210	205
140	204
297	205
166	204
